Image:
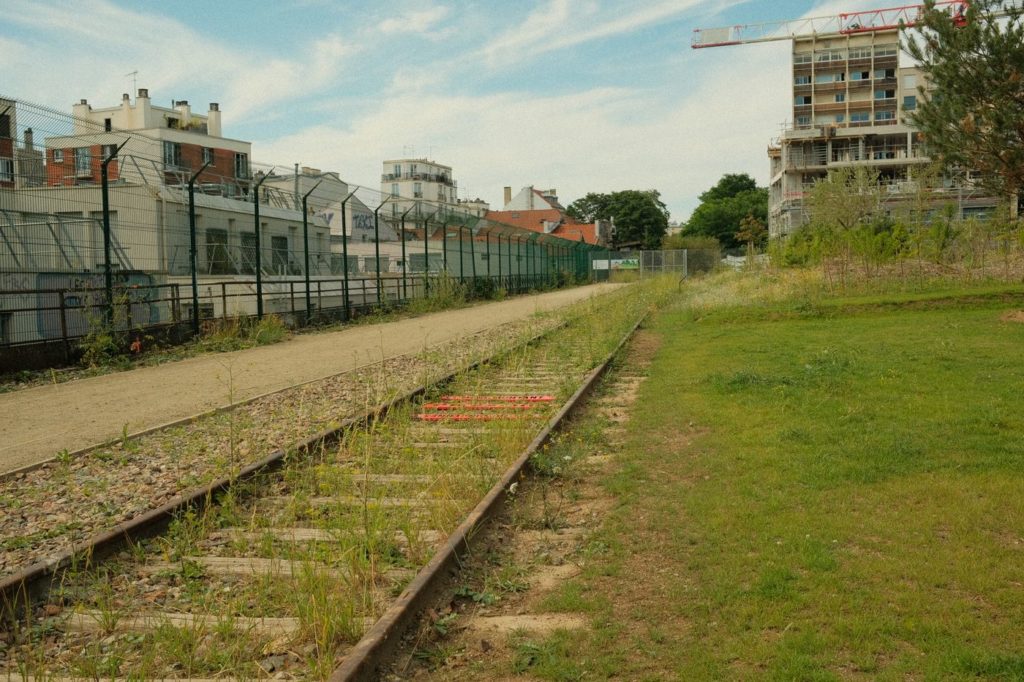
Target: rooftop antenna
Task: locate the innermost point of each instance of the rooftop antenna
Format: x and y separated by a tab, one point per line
135	79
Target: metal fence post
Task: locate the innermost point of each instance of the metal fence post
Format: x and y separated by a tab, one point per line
376	242
405	266
107	266
193	250
444	246
259	247
64	326
462	260
426	257
305	246
472	255
344	257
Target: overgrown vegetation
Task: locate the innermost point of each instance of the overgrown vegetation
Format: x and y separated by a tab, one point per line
855	231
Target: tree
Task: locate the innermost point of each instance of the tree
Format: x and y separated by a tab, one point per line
639	215
973	117
753	232
724	206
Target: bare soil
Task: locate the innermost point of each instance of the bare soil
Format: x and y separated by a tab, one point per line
1013	316
37	423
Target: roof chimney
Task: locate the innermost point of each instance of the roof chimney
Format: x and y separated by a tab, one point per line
213	120
508	196
124	97
28	139
143	93
83	101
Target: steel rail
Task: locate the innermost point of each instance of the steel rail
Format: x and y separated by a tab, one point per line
19	589
366	659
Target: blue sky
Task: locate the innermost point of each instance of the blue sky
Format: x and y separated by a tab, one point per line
577	95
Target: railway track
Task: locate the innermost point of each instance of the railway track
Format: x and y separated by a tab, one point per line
312	570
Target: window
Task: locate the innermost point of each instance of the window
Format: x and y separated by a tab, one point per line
830	56
885	73
417	190
860	117
172	154
412	169
840	96
58	156
803	120
860	53
398	170
885	94
802	100
394	189
837	77
207	155
108	125
217	261
241	166
5	125
885	115
886	50
83	161
909	82
6	170
883	154
860	76
802	58
801	80
279	254
840	118
248	253
172	122
910	103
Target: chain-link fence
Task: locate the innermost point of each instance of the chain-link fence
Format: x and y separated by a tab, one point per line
608	265
161	230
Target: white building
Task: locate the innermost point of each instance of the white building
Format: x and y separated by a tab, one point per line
412	180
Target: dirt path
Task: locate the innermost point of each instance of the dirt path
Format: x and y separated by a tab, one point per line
38	422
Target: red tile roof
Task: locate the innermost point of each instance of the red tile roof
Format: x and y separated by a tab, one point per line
534	221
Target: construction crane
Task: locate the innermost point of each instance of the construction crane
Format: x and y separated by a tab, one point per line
847	23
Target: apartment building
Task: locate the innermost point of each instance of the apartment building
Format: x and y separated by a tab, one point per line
173	143
851	106
412	180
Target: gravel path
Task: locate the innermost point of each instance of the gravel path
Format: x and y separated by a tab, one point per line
39	422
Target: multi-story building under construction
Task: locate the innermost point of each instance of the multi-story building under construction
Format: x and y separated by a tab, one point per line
851	107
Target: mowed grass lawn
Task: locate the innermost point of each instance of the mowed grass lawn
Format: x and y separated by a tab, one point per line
816	492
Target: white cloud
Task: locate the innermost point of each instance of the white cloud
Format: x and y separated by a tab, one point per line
602	139
417	21
566	23
168	55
